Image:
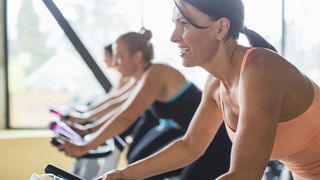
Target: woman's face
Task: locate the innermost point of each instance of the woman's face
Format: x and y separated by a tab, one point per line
108	59
123	59
197	46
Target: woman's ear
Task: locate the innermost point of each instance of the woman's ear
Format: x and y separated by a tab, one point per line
223	27
138	57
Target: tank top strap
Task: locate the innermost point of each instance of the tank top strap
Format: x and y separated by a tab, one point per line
244	60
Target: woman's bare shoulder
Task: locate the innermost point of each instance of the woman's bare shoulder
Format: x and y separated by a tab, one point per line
212	87
264	59
164	70
161	73
161	66
265	64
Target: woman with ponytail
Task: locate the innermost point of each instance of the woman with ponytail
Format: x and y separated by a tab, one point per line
270	109
163	90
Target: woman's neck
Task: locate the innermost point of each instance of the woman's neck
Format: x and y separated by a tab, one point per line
225	64
141	70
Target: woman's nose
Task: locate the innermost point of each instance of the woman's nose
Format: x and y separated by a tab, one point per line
175	36
114	62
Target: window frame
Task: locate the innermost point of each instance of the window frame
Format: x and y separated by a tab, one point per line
4	115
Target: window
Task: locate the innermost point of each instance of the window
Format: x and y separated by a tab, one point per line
302	42
301	47
45	70
264	17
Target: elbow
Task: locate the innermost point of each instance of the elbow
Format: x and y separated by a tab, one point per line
198	153
194	151
130	118
127	120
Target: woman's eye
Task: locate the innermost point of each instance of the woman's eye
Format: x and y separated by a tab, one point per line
185	24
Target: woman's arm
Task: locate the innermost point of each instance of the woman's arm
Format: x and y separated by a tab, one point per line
98	112
124	88
200	133
83	130
106	107
111	101
261	95
145	93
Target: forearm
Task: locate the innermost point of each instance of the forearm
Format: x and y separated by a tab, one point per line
107	107
174	156
101	121
109	129
103	110
114	94
109	97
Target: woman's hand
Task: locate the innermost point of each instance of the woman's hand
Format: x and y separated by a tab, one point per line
112	175
71	149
